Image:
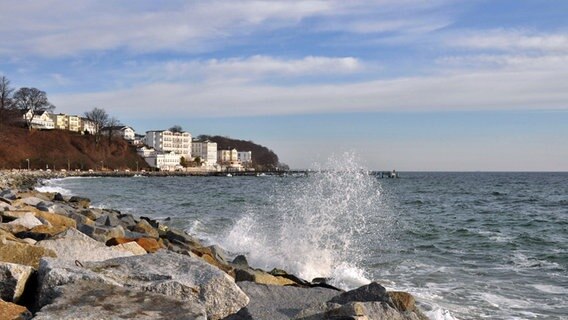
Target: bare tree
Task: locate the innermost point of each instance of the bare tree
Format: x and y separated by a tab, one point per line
5	97
31	100
176	128
113	125
100	119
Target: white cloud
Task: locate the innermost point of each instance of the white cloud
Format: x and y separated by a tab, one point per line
511	40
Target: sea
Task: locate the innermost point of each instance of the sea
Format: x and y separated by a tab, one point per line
467	245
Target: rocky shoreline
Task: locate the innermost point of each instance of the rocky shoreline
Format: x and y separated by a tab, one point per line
62	259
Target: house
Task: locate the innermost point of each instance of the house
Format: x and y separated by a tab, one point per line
60	121
125	132
39	120
245	157
87	126
145	152
74	123
227	156
169	141
164	161
206	151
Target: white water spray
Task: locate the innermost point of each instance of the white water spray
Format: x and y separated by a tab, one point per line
315	227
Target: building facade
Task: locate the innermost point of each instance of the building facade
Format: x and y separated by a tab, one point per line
87	126
125	132
169	161
206	151
245	157
227	156
40	120
168	141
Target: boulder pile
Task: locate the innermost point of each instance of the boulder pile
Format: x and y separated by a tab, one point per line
62	259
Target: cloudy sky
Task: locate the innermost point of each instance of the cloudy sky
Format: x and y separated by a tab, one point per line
405	84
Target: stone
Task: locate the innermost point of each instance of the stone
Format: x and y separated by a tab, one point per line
144	226
92	213
177	276
261	277
180	236
28	220
277	302
370	292
58	197
108	220
12	311
41	232
80	201
402	301
74	245
22	253
13	279
80	219
211	255
6	235
149	244
56	219
127	220
133	247
5	207
8	194
95	301
31	201
240	261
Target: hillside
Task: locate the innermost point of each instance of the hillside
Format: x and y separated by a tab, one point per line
262	157
58	149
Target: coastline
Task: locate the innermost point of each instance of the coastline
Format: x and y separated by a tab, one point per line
232	290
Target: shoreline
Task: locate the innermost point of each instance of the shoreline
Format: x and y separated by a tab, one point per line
237	292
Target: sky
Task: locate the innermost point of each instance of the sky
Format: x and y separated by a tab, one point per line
412	85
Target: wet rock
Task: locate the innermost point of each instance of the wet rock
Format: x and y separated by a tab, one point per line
144	226
11	311
370	292
28	220
94	301
240	262
73	245
13	279
402	301
80	201
179	236
58	197
277	302
21	253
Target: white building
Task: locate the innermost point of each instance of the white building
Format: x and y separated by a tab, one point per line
164	161
227	156
168	141
40	120
245	157
88	126
206	151
125	132
145	152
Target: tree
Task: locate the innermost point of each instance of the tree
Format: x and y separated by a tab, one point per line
5	97
112	126
176	128
31	100
100	119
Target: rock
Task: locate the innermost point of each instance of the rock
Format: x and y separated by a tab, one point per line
80	219
28	220
402	301
13	279
29	241
12	228
92	213
4	206
180	236
212	256
11	311
370	292
152	222
31	201
73	245
41	232
277	302
80	201
56	219
21	253
176	276
95	301
260	277
144	227
58	197
133	247
6	235
8	194
240	261
151	245
108	220
127	220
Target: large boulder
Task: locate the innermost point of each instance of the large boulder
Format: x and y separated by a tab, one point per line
12	311
371	292
73	245
22	253
13	279
27	220
177	276
356	310
144	226
278	302
94	301
56	219
80	202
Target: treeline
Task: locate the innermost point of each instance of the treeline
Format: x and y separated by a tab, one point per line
262	157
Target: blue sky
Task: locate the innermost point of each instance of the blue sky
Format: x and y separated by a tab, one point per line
405	84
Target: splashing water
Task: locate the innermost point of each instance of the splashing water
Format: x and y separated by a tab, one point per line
316	227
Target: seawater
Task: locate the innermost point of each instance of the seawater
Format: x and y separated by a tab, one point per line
467	245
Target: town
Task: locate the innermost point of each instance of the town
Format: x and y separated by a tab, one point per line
165	150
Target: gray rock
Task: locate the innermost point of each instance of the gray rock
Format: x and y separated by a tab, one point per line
13	279
108	220
32	201
179	236
28	220
279	302
127	220
80	201
73	245
92	213
241	262
4	206
9	194
370	292
58	197
94	301
179	277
